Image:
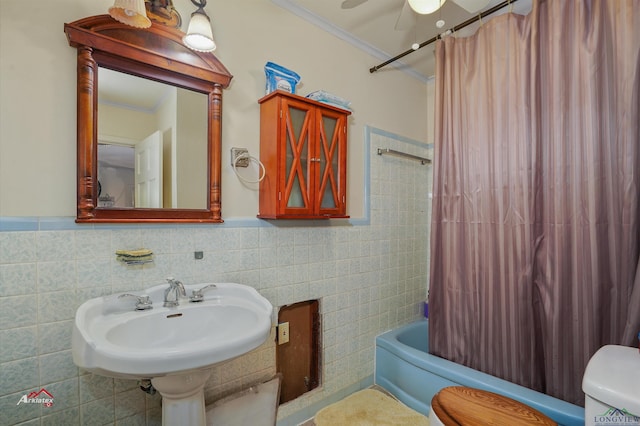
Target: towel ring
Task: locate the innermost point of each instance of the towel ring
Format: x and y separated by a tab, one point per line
250	158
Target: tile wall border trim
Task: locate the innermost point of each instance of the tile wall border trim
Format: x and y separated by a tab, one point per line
67	223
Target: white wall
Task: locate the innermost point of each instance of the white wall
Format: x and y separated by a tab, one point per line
38	95
369	278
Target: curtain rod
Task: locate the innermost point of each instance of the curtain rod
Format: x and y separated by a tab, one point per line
453	30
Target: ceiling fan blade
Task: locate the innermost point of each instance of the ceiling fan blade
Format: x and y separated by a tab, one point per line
350	4
406	19
472	6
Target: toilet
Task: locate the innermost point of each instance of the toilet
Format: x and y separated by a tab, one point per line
611	384
459	405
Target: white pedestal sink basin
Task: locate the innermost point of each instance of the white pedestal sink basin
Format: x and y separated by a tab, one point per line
175	347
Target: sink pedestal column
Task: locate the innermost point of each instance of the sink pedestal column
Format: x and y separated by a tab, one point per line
183	397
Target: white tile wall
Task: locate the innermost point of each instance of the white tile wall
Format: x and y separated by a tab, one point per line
369	278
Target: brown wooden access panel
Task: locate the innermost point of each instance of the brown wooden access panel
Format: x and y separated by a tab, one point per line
299	359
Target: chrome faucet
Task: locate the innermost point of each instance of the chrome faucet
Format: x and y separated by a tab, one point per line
173	293
142	302
197	296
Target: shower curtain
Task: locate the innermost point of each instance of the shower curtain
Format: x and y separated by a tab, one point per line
535	238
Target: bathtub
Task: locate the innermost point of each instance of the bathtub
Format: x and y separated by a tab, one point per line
404	367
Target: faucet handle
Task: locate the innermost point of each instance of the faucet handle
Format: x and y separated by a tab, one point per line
197	296
142	302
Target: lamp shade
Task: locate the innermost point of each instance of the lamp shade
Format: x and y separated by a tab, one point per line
199	34
130	12
424	7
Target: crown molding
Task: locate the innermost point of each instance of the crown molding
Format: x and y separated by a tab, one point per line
331	28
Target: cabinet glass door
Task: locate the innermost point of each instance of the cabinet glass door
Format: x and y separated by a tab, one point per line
330	149
328	162
297	153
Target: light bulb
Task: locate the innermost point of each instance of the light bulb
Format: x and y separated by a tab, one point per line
425	7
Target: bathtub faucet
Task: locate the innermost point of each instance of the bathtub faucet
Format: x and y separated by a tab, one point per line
173	293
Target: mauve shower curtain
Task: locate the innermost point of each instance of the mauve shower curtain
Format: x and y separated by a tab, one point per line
535	231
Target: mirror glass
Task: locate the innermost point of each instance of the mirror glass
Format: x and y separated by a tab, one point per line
152	144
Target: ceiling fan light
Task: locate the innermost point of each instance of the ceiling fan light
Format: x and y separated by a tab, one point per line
130	12
425	7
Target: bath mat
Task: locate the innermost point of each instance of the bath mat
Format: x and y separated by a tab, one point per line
369	407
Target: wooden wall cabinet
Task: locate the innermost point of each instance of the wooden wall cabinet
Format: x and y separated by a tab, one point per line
303	146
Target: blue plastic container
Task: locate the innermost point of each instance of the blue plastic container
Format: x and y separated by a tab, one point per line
280	78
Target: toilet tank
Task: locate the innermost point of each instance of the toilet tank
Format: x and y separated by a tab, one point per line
611	384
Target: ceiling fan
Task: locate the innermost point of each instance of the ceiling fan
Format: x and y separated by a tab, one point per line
407	17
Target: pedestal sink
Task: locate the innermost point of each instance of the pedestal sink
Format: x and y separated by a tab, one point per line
175	347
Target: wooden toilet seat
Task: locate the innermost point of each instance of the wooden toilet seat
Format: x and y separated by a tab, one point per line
463	406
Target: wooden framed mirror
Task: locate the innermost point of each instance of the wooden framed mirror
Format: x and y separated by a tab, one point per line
107	51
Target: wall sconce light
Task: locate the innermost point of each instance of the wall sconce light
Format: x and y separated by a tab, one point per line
424	7
199	33
130	12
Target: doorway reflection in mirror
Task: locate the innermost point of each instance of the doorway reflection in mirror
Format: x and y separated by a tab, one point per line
161	132
116	175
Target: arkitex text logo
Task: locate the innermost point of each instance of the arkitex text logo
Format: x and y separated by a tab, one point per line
41	397
615	416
